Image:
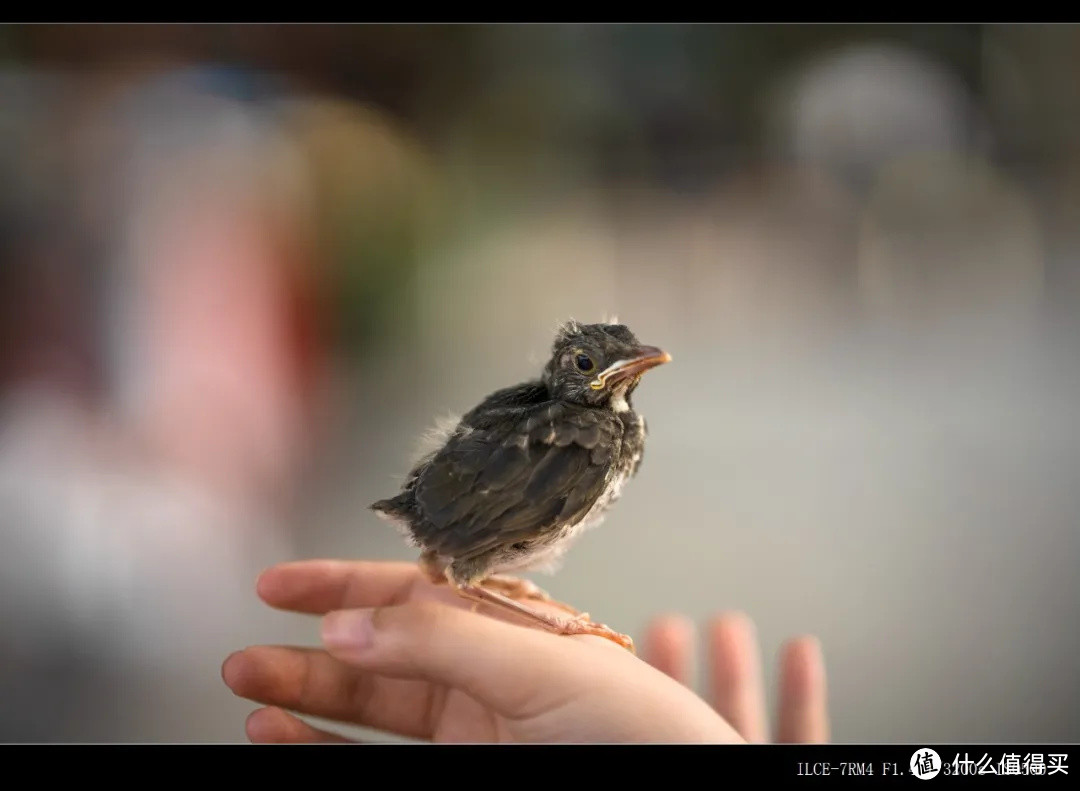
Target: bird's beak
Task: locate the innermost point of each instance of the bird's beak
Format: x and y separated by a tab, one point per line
646	357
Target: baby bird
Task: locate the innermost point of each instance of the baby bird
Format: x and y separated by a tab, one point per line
525	471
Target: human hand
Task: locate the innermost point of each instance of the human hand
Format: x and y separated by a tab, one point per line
408	657
735	678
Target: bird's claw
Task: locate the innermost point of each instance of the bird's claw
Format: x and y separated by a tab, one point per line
523	589
579	622
582	625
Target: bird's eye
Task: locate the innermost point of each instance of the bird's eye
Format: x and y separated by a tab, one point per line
584	362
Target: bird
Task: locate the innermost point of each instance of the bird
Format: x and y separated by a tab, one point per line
510	485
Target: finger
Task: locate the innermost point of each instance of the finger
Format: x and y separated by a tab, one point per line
516	671
310	681
319	586
803	716
274	726
738	688
669	646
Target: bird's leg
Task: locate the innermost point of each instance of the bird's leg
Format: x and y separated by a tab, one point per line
551	623
438	573
508	586
518	588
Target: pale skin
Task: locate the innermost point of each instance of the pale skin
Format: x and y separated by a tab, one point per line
405	656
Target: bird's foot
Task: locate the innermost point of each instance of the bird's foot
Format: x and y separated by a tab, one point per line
523	589
515	587
583	625
579	624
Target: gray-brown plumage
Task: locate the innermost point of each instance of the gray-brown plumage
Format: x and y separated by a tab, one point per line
526	470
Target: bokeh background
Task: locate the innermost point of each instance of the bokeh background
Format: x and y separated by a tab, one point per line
243	268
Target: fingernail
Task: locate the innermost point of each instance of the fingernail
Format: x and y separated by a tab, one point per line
231	669
348	630
260	583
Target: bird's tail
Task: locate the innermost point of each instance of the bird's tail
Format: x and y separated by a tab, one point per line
383	506
392	507
396	511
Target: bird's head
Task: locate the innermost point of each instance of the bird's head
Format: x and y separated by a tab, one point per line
598	365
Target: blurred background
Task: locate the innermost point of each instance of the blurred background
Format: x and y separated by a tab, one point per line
243	268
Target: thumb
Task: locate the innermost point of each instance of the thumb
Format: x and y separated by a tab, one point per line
509	668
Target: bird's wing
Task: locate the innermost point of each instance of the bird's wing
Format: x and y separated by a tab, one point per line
497	486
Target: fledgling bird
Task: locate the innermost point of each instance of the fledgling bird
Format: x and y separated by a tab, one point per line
525	471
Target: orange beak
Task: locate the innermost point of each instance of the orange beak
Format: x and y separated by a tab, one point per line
647	357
